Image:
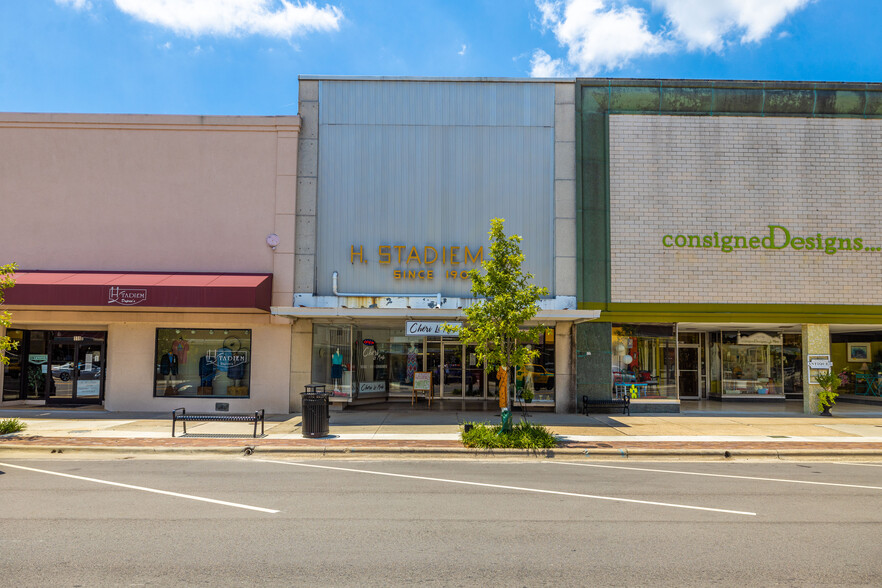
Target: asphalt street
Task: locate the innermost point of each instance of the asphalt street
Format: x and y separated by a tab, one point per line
257	521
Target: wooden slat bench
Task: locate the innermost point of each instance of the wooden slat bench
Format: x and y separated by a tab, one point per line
184	416
624	402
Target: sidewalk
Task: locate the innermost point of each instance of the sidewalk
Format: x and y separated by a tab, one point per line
855	432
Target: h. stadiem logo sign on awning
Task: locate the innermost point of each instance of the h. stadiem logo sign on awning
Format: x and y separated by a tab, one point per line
126	296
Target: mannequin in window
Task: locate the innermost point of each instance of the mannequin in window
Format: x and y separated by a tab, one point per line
206	375
411	363
336	368
168	367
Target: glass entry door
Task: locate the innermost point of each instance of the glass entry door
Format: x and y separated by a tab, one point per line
456	372
689	371
474	374
76	370
452	374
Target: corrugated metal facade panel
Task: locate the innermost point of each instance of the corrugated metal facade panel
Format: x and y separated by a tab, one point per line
436	103
428	165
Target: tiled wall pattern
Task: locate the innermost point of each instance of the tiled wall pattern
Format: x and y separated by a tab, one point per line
690	175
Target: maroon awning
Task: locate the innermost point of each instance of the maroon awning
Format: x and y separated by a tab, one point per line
112	289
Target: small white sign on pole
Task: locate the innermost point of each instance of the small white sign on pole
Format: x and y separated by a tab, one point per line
818	362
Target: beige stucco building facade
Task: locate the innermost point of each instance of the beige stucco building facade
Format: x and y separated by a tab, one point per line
169	211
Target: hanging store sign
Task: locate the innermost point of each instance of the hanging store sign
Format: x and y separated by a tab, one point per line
429	329
760	339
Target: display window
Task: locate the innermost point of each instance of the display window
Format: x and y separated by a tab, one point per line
752	364
14	371
332	359
379	362
644	361
202	362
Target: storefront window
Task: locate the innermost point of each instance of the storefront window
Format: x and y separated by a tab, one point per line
332	358
644	361
203	362
37	371
14	372
752	364
792	365
539	375
379	362
715	369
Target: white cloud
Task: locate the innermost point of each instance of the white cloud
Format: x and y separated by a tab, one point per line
597	37
76	4
705	25
273	18
462	51
604	35
543	66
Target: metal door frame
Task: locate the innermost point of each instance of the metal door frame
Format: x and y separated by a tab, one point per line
442	377
699	371
75	340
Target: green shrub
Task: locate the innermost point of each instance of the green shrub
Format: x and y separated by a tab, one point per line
522	436
11	426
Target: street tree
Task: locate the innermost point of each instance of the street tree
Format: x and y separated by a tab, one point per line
506	301
7	280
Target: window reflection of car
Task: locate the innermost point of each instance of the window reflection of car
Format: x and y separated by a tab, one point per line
542	378
64	371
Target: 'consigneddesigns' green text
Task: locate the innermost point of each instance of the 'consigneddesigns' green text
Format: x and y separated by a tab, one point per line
778	238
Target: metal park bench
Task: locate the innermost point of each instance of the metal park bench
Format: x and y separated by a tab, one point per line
624	402
183	417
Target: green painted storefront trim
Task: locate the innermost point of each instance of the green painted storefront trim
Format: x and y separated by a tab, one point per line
738	313
731	98
597	98
592	202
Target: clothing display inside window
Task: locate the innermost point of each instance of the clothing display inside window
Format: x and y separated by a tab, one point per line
202	362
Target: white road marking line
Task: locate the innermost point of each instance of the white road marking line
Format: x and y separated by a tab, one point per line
559	493
872	465
594	465
142	488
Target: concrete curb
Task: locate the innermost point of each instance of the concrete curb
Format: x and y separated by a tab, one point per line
566	453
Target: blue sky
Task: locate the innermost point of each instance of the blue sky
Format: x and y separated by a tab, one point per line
243	57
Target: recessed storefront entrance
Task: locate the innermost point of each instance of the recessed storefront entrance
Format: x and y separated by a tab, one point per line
58	367
76	369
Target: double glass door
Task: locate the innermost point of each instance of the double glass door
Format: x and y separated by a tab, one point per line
456	371
75	370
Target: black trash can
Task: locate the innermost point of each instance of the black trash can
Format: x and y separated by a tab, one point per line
316	412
